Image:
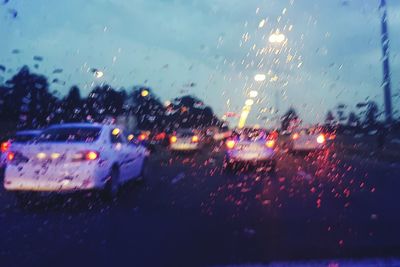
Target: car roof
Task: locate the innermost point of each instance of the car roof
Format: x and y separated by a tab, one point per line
77	125
28	132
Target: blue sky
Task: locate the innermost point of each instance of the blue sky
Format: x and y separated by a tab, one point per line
333	45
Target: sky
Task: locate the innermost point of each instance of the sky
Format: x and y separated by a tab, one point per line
211	49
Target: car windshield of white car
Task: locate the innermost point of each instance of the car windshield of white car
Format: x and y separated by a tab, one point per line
72	134
23	138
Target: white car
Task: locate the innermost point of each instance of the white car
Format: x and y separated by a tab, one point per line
185	140
307	140
250	147
73	158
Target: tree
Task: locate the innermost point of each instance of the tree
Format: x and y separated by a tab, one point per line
288	118
72	106
28	100
102	102
340	110
371	114
353	120
329	118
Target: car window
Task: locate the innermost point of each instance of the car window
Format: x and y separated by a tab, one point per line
23	138
70	134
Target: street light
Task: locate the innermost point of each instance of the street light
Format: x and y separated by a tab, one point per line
277	37
260	77
98	74
253	94
249	102
144	93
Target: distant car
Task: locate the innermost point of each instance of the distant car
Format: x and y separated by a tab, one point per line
307	140
76	157
250	147
185	140
20	138
148	139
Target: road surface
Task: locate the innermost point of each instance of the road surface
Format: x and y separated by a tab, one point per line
189	212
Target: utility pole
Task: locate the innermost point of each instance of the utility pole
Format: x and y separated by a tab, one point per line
385	61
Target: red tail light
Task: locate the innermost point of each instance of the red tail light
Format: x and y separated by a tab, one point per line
195	139
230	144
142	137
10	156
5	146
16	158
86	155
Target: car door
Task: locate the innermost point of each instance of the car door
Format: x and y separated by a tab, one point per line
136	153
118	142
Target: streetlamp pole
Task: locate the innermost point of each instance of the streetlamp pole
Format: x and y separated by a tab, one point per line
385	61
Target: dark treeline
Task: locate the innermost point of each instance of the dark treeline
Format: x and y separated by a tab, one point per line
363	117
26	102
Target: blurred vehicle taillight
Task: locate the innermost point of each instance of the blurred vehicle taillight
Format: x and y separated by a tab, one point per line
270	143
5	146
195	139
173	139
142	137
230	144
16	157
321	139
160	136
10	156
86	156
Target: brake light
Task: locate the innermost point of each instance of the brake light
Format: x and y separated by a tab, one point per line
91	155
321	139
5	146
270	143
16	157
10	156
142	137
230	144
295	136
173	139
195	139
86	155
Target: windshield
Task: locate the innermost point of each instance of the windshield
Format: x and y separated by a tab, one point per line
23	138
204	133
73	135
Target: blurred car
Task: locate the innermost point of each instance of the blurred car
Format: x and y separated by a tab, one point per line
185	140
20	138
307	140
250	146
74	157
148	139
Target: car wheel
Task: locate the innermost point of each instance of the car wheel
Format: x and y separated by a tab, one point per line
110	190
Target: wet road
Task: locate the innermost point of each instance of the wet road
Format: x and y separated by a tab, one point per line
189	212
